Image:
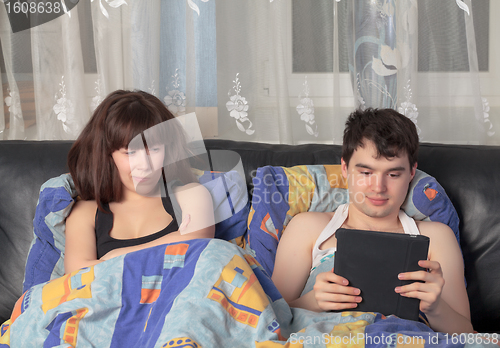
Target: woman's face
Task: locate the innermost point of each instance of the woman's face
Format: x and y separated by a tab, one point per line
140	169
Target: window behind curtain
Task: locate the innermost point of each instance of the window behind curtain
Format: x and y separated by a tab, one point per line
312	36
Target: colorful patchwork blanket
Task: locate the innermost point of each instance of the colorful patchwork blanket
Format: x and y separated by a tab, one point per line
199	293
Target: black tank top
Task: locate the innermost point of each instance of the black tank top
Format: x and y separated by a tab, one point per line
104	223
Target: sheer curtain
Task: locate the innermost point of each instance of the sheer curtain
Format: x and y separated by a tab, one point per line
387	66
280	71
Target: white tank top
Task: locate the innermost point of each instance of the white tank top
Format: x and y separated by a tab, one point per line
409	227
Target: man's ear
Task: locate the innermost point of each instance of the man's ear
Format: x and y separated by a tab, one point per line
343	166
413	170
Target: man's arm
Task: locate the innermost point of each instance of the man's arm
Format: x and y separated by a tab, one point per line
443	297
293	264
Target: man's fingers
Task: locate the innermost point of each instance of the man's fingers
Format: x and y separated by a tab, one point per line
427	292
432	266
336	306
336	297
417	275
426	277
335	288
333	278
434	272
333	293
424	297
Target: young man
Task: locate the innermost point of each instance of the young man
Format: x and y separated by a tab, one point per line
379	159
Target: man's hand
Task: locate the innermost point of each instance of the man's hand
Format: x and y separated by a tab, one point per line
332	292
429	292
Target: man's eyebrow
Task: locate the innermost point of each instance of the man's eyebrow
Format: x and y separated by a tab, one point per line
361	165
395	169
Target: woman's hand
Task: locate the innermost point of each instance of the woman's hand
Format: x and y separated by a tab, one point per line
428	292
332	292
186	219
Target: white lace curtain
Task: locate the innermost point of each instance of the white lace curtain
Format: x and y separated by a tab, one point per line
283	71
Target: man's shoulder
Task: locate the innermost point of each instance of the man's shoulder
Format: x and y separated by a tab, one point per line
434	229
444	244
313	216
312	222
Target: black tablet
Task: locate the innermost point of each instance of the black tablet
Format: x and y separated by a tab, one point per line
371	262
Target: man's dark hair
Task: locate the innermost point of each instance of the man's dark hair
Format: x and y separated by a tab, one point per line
392	133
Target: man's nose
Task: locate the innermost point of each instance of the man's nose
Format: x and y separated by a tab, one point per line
378	183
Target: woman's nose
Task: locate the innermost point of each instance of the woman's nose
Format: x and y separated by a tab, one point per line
142	161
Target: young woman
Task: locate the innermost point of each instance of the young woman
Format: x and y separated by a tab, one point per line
131	150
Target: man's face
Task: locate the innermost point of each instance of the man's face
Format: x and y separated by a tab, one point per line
377	186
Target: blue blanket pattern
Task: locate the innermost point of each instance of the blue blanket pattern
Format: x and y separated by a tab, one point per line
199	293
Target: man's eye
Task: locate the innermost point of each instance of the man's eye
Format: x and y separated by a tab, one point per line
394	175
366	173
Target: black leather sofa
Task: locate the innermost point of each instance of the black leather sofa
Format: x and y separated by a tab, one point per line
468	174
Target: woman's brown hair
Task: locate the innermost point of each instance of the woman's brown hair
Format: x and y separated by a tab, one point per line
121	117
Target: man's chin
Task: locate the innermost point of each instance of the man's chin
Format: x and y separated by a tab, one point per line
377	211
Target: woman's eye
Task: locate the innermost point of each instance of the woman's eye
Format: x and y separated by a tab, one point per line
129	153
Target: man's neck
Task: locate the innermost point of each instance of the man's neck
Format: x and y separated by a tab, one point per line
360	221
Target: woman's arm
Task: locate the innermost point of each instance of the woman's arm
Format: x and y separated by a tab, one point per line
198	219
80	246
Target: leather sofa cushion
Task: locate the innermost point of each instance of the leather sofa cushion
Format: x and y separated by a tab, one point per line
468	173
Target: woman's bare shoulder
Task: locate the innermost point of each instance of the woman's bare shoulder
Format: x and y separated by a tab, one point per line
188	192
187	187
83	210
84	205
